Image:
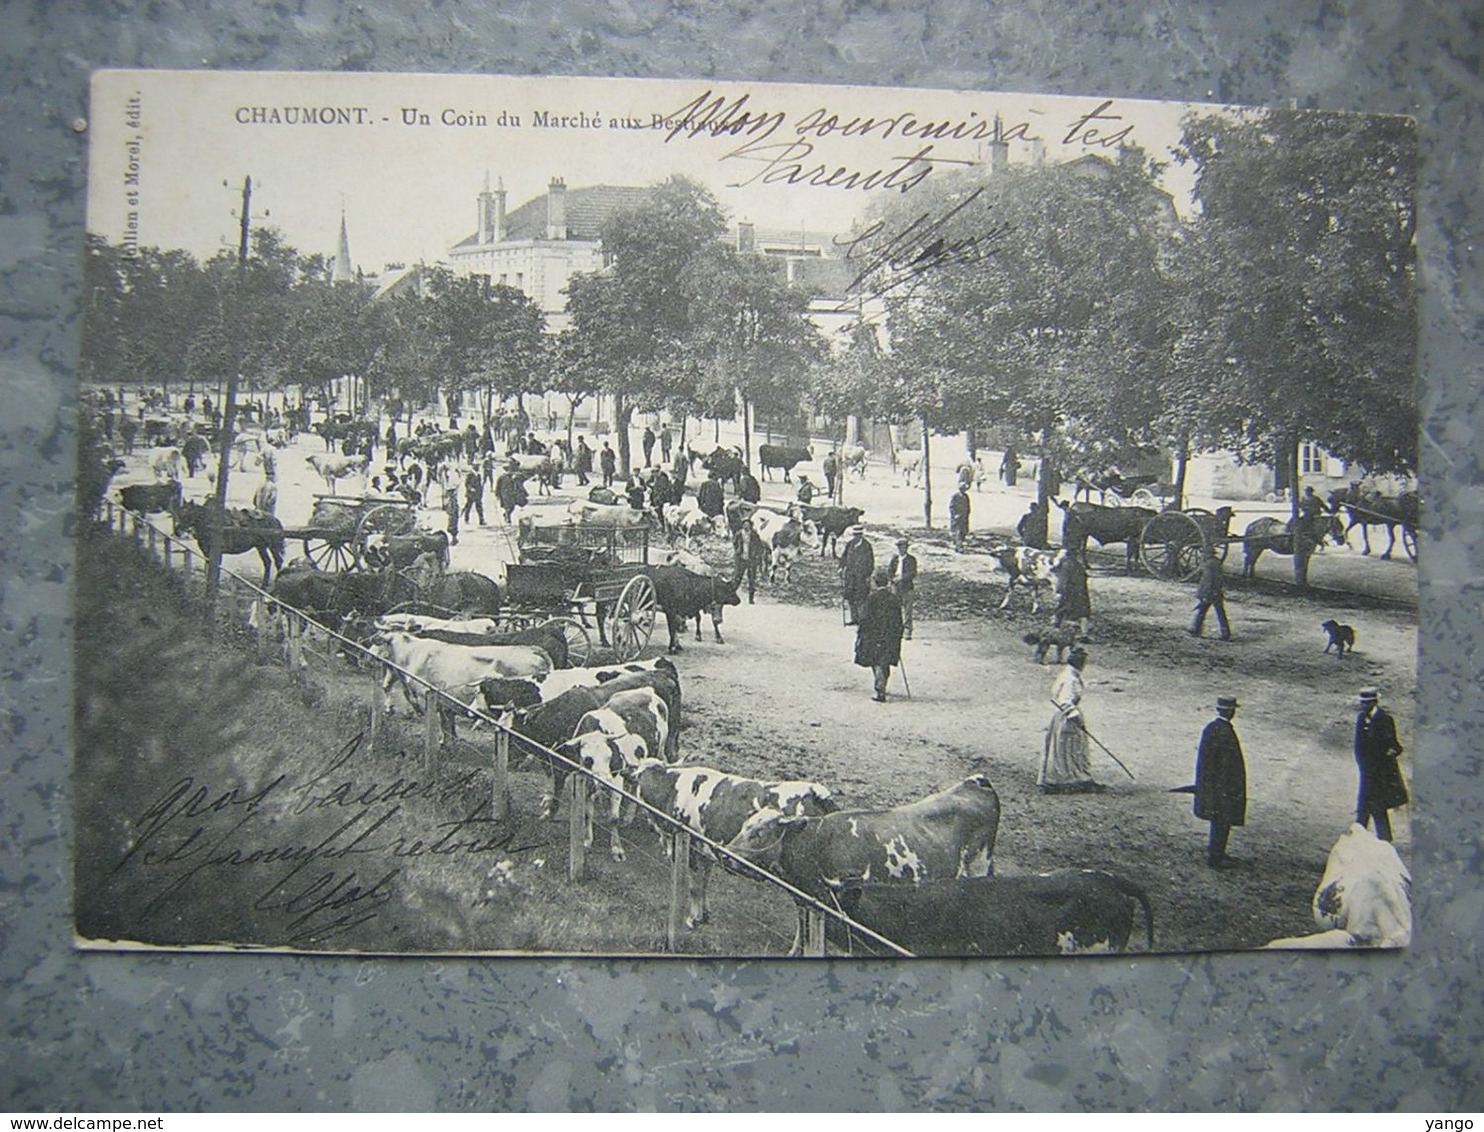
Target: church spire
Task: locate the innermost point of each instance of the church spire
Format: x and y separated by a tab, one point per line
344	272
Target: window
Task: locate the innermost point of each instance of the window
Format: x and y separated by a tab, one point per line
1311	459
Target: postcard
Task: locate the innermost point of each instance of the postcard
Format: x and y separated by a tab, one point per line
651	517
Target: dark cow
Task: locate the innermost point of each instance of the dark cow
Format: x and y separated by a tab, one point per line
151	498
463	592
1029	567
242	530
683	595
1106	525
727	464
1067	912
832	522
945	835
331	598
717	806
1277	536
404	550
770	456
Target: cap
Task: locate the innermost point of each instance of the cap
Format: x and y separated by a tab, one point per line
901	542
1369	695
1226	703
858	529
1077	653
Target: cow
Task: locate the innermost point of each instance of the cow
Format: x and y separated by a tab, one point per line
909	463
419	623
529	693
770	456
784	539
528	518
454	669
686	560
334	468
610	740
383	550
547	637
1066	912
717	805
590	514
945	835
683	595
1029	567
462	591
853	458
1364	898
686	520
1105	524
166	463
543	468
727	464
832	522
151	498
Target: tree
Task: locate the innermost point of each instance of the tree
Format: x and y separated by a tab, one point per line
1307	226
488	338
634	320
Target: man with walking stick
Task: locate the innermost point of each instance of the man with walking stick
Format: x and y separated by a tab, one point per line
878	639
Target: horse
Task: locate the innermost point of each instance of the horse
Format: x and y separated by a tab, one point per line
1371	509
1106	524
243	529
464	592
1277	536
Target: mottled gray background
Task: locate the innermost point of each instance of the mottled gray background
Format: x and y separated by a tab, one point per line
240	1033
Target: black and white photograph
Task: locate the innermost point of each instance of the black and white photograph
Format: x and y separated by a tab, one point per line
649	517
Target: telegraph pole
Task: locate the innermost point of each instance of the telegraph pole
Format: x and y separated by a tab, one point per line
217	519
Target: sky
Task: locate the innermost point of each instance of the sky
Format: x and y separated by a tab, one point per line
404	156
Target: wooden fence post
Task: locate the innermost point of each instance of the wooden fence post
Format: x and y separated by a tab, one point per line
169	545
679	886
430	734
153	550
814	933
378	716
500	799
578	802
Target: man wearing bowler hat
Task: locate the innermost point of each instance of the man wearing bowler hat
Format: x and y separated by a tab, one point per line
857	564
1221	782
1376	754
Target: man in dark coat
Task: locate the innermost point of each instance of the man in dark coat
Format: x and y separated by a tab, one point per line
857	564
1221	782
1210	593
473	495
748	489
608	461
510	489
1073	602
958	516
710	497
831	470
1376	754
647	443
902	570
878	640
584	460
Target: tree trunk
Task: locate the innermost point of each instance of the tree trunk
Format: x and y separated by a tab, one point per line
971	444
1182	461
622	414
927	477
1045	489
746	434
1302	547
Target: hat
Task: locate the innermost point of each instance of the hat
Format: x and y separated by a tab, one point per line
901	542
1369	695
1078	653
1226	703
858	529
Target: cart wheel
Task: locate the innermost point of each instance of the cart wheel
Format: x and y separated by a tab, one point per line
332	555
1172	545
1409	542
1146	498
632	620
579	644
388	519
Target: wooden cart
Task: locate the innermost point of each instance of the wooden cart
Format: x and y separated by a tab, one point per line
594	576
335	537
1173	544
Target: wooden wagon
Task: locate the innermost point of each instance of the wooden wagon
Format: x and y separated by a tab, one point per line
335	536
595	576
1173	544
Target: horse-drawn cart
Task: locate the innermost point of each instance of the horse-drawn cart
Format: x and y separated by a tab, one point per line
335	537
596	576
1173	544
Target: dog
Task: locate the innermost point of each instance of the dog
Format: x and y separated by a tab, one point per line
1063	637
1341	637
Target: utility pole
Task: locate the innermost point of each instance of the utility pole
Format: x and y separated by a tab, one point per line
217	519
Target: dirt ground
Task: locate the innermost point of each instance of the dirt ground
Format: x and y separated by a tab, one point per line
782	699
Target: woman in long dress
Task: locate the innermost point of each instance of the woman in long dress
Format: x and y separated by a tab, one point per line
1066	766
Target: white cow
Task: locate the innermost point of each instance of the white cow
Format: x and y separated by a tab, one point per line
418	623
611	741
784	539
1029	567
688	561
592	514
454	669
1364	898
686	520
910	465
165	463
853	459
333	468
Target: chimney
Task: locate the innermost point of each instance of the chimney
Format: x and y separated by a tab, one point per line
499	223
556	209
746	236
485	209
999	148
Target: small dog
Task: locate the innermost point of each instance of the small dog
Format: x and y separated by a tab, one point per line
1063	637
1341	637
